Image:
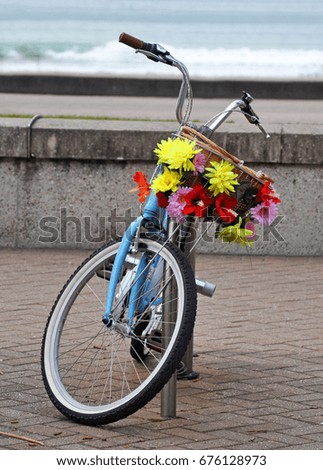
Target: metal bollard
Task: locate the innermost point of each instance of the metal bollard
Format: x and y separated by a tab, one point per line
168	393
188	373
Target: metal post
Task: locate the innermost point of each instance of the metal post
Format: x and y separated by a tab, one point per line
168	399
188	356
168	393
29	127
188	373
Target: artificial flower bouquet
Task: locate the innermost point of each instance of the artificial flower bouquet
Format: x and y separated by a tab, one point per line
200	178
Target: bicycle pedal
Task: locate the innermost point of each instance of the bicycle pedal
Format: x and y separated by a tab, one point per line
182	373
204	287
154	341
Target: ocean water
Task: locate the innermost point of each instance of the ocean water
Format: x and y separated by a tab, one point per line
231	38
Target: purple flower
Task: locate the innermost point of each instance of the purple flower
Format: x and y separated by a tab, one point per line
177	204
251	226
199	163
265	213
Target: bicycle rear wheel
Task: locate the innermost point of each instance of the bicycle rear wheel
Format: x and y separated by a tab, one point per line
96	373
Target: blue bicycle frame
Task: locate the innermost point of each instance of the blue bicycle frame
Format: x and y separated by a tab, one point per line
152	213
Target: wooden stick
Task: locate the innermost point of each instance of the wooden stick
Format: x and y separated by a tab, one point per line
22	438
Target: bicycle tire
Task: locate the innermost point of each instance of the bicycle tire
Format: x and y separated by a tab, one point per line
84	362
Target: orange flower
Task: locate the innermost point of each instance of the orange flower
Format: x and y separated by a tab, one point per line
143	185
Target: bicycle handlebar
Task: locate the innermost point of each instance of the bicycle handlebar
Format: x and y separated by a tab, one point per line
158	53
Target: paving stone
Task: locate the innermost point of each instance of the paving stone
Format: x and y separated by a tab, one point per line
259	355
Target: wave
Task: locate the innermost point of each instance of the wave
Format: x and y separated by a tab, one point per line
115	58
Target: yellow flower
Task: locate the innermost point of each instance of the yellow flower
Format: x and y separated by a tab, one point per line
221	177
167	181
236	234
177	153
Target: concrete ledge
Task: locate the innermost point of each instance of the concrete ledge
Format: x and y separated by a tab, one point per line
157	87
133	141
74	191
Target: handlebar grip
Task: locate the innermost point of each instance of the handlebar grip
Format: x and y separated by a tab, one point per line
131	41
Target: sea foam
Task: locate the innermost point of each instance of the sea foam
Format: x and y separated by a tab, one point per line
115	58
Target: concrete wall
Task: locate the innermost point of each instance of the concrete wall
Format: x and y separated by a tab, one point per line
74	190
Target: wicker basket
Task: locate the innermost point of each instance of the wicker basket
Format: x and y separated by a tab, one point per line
213	152
249	180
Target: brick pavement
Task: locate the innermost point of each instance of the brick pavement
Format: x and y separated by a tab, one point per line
258	347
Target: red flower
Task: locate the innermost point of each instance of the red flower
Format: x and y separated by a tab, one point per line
162	199
197	201
143	185
265	194
225	206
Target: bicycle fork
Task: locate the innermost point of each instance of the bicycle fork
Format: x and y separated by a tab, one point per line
135	282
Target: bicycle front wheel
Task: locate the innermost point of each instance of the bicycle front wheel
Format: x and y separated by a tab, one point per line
96	373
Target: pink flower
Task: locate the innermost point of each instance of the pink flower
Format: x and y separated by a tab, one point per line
199	163
251	226
265	213
177	203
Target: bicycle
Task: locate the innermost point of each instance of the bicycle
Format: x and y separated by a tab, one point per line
121	324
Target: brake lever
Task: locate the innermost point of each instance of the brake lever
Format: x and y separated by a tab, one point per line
159	54
265	133
249	113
